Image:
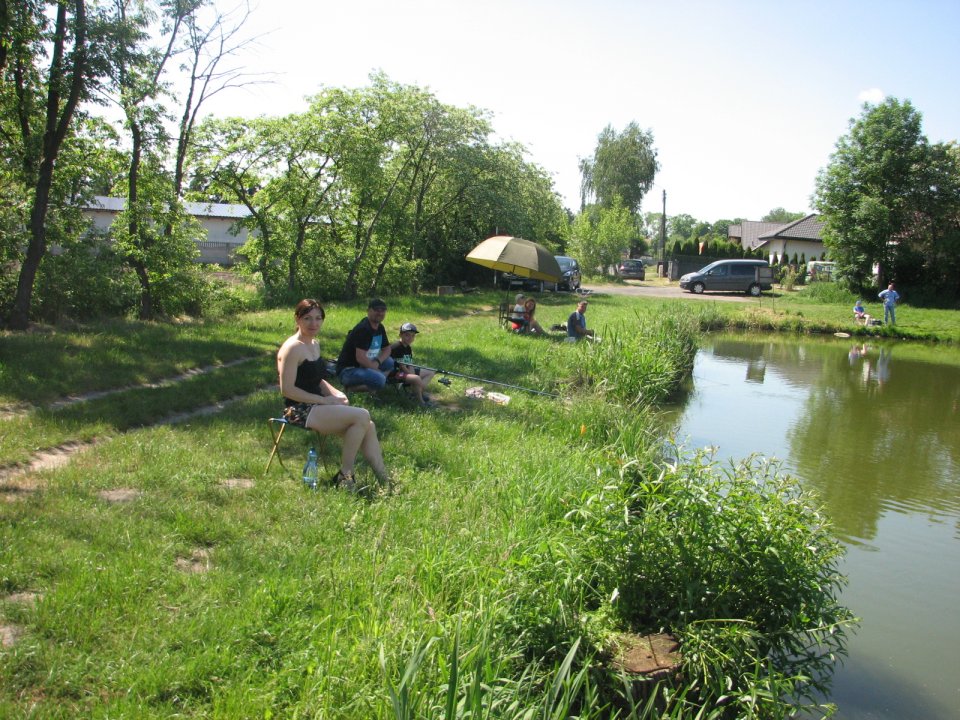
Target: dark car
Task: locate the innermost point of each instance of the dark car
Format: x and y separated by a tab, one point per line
631	270
749	276
569	278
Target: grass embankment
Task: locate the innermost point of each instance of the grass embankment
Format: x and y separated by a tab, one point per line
524	537
826	308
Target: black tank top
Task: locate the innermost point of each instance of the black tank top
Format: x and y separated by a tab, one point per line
309	375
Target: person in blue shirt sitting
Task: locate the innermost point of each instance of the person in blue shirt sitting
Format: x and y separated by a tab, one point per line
859	314
577	323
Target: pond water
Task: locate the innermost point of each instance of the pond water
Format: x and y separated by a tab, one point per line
875	430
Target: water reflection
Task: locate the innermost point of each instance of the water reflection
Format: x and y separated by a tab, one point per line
875	429
878	432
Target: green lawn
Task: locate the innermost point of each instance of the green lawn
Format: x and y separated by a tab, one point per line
158	573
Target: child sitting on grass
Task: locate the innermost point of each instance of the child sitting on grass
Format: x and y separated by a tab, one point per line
416	379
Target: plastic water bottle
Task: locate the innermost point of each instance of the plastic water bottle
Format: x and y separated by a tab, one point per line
310	471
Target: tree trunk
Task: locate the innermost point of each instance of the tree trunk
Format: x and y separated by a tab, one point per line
146	295
134	226
57	123
20	314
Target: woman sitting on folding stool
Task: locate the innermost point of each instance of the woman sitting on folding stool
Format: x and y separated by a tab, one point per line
313	403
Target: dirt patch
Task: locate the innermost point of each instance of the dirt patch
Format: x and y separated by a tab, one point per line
120	495
163	382
653	657
19	491
200	412
237	483
198	562
9	635
11	412
48	459
25	597
56	457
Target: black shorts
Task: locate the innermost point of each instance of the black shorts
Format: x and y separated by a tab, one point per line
297	413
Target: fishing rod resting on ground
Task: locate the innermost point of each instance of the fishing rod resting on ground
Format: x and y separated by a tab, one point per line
483	380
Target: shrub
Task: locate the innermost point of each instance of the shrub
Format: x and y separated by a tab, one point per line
788	277
830	293
737	561
84	282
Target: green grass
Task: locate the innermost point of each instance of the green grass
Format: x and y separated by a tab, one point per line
521	538
824	308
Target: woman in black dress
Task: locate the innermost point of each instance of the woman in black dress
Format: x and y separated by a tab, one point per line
313	403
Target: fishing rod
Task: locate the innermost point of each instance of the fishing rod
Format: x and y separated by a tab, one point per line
483	380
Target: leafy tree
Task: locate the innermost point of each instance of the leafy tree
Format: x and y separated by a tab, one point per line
372	188
623	165
136	69
37	107
600	235
682	226
236	160
870	192
780	215
650	229
928	248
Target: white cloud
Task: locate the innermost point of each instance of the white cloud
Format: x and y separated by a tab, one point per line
874	96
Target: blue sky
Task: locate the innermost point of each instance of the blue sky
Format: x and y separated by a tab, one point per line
745	99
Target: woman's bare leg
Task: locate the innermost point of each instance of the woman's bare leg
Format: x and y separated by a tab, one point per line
350	423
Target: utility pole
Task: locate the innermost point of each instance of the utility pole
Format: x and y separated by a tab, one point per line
663	227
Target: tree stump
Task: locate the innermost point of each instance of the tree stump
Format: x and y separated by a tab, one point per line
647	659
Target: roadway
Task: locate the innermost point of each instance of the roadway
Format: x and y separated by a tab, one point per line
657	289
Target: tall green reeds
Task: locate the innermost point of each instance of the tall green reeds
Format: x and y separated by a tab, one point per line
640	362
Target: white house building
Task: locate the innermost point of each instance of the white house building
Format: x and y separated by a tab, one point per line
800	237
224	236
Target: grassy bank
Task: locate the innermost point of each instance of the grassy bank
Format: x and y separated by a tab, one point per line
825	308
159	573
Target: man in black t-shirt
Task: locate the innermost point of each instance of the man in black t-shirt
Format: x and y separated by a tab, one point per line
364	360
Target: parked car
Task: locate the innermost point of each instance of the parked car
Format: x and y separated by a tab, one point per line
749	276
569	280
631	270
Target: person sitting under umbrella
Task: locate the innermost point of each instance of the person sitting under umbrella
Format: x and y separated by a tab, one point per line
517	321
528	322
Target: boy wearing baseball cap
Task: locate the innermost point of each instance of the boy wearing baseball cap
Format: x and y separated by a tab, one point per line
415	378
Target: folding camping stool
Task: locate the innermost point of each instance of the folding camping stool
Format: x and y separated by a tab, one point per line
277	427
